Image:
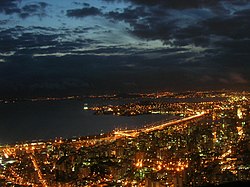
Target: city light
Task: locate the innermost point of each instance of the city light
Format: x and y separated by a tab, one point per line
199	146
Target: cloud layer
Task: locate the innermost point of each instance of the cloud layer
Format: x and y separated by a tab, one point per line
115	45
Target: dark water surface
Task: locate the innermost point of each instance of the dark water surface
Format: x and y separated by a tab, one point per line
49	119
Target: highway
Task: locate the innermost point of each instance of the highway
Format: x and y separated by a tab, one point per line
134	133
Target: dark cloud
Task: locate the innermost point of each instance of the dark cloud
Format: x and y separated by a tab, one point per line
221	29
84	12
15	38
180	4
3	22
9	6
12	6
209	24
129	14
206	47
42	40
235	27
43	4
89	74
38	9
145	22
82	4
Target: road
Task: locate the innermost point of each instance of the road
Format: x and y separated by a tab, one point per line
134	133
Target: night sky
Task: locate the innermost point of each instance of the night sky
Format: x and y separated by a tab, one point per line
64	47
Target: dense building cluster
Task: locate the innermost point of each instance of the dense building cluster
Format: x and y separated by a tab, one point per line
210	148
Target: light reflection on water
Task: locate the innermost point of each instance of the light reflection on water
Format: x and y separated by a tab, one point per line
49	119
